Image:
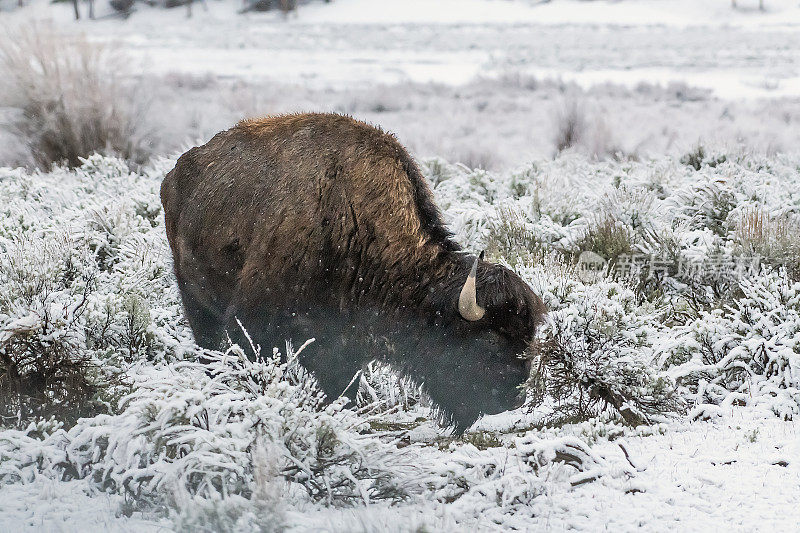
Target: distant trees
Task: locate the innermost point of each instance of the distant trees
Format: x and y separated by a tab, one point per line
123	8
760	4
267	5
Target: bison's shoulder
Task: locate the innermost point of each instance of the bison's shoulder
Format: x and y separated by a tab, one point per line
372	159
327	133
343	127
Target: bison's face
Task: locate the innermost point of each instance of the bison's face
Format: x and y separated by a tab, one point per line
485	377
498	306
498	316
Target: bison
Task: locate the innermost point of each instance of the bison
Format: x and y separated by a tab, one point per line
318	225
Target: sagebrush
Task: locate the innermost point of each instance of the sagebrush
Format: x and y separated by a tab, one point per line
69	97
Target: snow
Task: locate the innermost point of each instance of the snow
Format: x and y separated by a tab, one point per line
730	462
342	56
49	505
484	92
349	43
723	475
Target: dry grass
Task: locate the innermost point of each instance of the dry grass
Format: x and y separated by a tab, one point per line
607	238
68	97
577	129
509	237
570	125
774	239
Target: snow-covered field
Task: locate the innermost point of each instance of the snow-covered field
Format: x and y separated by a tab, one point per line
86	276
478	81
685	171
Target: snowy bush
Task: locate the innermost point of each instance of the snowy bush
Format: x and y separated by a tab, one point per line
232	444
85	290
748	353
68	97
595	353
190	435
381	388
607	237
43	369
776	238
693	226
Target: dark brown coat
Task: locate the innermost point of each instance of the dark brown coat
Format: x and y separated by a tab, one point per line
317	225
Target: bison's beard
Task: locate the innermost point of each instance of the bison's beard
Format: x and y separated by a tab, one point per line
466	372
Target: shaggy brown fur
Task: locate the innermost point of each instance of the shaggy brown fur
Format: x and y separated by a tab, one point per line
317	225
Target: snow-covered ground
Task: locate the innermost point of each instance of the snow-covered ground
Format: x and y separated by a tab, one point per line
353	42
728	475
487	83
480	81
737	53
720	452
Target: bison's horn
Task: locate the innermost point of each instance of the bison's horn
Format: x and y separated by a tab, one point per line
468	300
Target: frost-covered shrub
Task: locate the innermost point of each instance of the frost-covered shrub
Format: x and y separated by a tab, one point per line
697	157
43	369
608	238
511	237
595	354
200	426
775	239
501	488
382	389
706	205
85	289
68	97
663	209
227	437
234	445
602	339
748	353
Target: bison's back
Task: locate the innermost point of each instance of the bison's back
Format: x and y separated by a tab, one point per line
309	206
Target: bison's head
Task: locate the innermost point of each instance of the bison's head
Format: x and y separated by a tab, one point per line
494	318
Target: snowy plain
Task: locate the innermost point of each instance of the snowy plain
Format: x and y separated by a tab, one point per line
481	82
725	459
650	76
698	477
